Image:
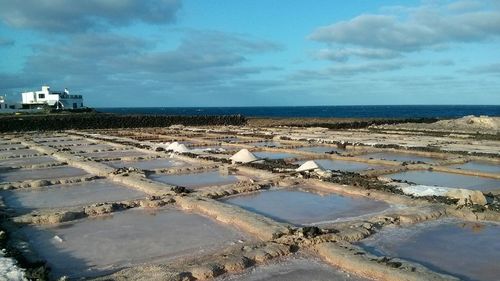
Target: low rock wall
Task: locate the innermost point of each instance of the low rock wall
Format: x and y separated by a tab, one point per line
105	121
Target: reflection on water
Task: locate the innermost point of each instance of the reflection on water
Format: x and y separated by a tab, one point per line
469	250
274	155
148	164
447	180
300	207
37	174
196	180
478	166
320	149
93	246
79	194
341	165
401	157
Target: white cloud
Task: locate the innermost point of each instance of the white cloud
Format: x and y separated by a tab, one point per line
427	26
343	54
74	16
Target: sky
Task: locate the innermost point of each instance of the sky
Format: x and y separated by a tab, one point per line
145	53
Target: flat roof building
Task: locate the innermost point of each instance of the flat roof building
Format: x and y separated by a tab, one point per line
55	99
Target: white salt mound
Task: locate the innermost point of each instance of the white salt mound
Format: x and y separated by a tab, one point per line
425	190
178	147
243	156
173	146
309	166
181	148
464	196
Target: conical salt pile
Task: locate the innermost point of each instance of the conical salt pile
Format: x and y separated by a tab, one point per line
309	166
181	148
244	156
173	146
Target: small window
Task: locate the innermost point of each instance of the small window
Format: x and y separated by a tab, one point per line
81	105
12	107
75	105
41	96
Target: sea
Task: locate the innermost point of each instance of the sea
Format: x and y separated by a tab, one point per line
368	111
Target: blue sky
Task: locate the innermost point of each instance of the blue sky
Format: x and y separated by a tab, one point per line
254	52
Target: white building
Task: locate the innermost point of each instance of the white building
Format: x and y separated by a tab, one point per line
59	100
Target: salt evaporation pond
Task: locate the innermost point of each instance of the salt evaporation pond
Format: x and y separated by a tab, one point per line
69	143
219	148
38	174
349	166
148	164
274	155
12	146
302	208
479	166
18	153
12	162
229	139
198	180
101	245
320	149
265	144
468	250
401	157
447	180
56	196
91	148
293	269
114	154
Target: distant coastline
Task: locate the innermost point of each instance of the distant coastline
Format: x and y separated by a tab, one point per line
370	111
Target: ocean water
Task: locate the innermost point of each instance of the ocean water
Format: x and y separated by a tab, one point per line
372	111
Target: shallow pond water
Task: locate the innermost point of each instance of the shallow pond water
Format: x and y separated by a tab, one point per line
199	180
148	164
265	144
18	153
320	149
479	166
469	250
301	207
229	139
342	165
91	148
56	196
101	245
274	155
13	162
292	269
68	143
401	157
114	154
14	146
447	180
37	174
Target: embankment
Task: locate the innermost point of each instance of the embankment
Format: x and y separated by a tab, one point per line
105	121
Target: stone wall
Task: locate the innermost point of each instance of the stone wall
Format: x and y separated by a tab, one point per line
104	121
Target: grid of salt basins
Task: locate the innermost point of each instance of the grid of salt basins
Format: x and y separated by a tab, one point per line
164	206
302	205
